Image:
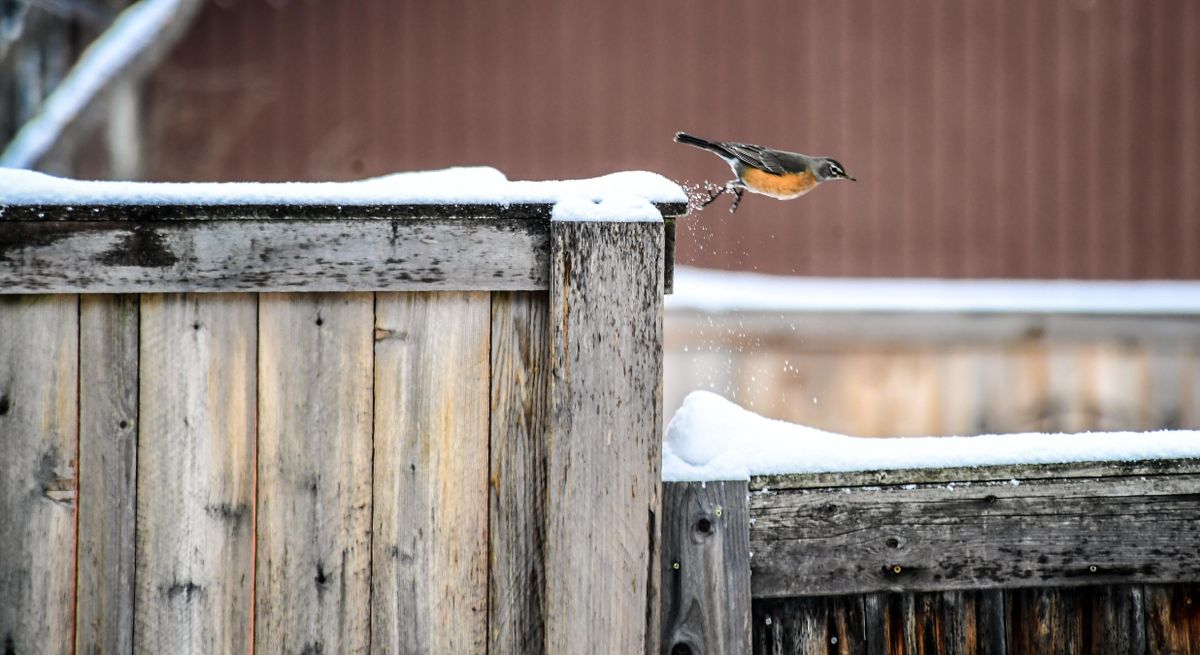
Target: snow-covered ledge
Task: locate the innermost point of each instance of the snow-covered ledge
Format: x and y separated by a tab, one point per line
711	438
459	228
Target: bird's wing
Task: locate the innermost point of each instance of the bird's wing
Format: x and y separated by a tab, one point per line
785	162
772	161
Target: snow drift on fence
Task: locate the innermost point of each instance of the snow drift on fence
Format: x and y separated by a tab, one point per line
728	291
710	438
626	194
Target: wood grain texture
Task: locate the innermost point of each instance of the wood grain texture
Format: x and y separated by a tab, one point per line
38	423
108	429
272	255
520	380
705	564
811	626
1100	620
195	474
950	622
975	474
315	386
603	483
429	546
976	535
1172	619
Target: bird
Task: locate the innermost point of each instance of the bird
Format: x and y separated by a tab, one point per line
775	173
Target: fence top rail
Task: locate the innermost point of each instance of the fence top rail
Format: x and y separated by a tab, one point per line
992	527
457	229
1005	473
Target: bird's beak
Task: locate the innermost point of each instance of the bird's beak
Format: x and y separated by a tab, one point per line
852	179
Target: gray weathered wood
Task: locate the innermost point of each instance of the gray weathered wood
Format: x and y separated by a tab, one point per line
999	473
38	423
273	255
520	372
429	590
705	590
195	474
313	566
108	428
1172	619
602	482
1050	532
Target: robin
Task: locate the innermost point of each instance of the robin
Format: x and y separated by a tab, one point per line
776	173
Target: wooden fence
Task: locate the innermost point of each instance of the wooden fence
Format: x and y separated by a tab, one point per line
394	430
1080	558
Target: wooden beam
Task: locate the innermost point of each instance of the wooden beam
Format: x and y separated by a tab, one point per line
705	588
151	249
516	505
312	569
272	255
429	590
108	428
604	449
195	474
988	529
39	340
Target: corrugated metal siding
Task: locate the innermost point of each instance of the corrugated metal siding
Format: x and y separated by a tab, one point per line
1019	138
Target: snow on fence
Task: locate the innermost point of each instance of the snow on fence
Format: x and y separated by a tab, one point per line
1007	543
412	414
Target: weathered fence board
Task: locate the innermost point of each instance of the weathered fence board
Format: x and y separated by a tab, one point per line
520	362
603	458
705	590
108	429
816	625
1172	619
195	474
429	575
38	421
1107	620
970	534
272	255
313	563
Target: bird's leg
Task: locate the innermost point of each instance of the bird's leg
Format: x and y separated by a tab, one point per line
737	197
713	194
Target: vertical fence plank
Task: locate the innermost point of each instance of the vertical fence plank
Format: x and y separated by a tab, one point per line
38	421
195	474
429	550
312	566
822	625
705	588
516	522
1172	619
602	481
108	397
1082	619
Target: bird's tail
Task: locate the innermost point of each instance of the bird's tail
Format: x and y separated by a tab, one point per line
684	137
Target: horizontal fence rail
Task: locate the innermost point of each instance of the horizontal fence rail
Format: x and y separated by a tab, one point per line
423	456
872	561
142	249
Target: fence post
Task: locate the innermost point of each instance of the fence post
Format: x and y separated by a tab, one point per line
706	568
604	445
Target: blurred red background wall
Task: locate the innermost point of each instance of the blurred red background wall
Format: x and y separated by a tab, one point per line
992	138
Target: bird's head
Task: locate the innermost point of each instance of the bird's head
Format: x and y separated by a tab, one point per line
829	169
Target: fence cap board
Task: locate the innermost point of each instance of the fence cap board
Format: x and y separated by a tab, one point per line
994	527
998	473
174	248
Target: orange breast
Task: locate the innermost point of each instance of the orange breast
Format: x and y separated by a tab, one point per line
784	187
